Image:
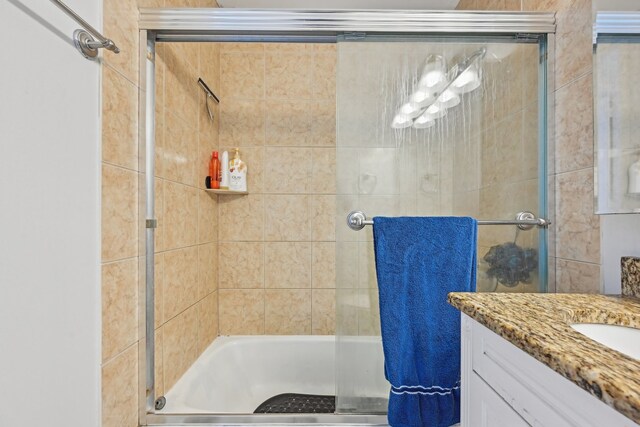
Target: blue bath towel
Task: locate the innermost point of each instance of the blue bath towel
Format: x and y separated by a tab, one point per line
418	262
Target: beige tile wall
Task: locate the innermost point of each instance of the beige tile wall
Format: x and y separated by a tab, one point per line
186	272
120	219
186	247
500	172
576	246
277	245
269	285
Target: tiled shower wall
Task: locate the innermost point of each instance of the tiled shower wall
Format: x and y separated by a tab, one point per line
186	273
277	245
490	150
188	216
576	247
507	166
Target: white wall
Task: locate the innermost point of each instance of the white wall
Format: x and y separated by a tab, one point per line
49	220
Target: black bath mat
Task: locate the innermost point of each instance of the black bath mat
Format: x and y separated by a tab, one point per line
292	403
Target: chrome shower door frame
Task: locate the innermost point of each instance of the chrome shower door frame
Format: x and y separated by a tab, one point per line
322	26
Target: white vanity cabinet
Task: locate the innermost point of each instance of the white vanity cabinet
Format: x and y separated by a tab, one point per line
487	408
504	386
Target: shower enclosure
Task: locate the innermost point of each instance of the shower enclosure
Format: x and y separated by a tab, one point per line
437	113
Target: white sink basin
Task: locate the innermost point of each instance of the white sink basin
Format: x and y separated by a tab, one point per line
621	338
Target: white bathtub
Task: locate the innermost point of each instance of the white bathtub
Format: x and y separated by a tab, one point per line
235	374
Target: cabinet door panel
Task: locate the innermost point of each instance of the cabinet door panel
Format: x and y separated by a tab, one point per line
488	409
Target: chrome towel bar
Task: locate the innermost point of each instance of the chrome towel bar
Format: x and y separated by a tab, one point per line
85	40
357	220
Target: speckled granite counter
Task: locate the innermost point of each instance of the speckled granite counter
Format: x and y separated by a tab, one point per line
539	325
630	276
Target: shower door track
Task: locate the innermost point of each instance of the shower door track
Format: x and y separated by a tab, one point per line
296	26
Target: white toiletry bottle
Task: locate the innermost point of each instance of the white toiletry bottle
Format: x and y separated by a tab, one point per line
237	172
224	167
634	178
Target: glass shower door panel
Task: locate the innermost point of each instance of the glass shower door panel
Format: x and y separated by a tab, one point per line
479	157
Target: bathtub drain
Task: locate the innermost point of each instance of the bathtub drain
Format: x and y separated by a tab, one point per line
292	403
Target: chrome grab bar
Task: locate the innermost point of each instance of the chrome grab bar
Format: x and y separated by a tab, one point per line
84	39
357	220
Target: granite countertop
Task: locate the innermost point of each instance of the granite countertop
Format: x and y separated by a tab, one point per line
539	325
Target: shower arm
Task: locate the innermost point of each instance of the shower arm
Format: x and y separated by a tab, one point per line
357	220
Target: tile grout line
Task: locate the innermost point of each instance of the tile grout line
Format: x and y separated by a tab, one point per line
558	174
578	261
121	74
574	80
109	360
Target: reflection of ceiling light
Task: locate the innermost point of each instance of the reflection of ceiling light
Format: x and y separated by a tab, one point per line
449	99
439	89
467	81
401	121
410	109
423	122
422	97
434	74
436	111
433	80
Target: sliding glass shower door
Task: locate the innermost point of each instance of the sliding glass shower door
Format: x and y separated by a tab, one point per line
434	127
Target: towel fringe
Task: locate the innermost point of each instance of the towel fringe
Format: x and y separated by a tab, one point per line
426	393
425	388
